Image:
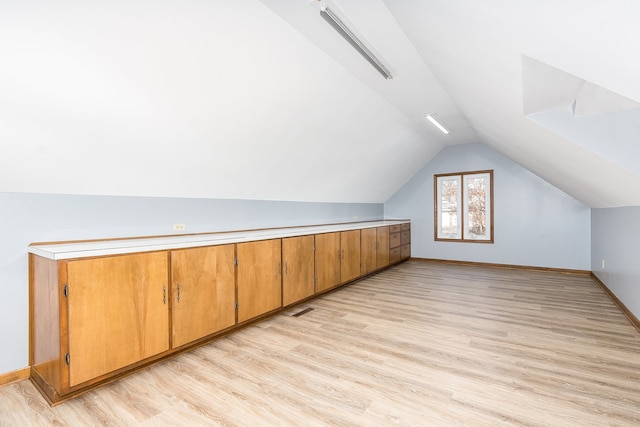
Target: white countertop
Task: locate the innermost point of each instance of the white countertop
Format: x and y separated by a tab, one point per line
59	251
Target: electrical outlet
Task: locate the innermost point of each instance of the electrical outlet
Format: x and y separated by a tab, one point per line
603	264
179	227
355	217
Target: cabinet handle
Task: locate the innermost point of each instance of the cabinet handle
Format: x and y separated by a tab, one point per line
280	268
286	268
178	293
164	294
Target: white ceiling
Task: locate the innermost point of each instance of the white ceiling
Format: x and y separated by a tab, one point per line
262	99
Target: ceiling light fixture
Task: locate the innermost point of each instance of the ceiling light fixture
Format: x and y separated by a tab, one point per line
431	117
348	35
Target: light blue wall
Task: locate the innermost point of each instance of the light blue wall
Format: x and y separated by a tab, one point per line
536	224
28	218
616	240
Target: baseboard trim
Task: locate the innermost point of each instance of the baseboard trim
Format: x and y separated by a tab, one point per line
11	377
623	308
506	266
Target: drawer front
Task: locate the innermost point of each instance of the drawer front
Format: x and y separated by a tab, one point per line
405	237
395	255
405	251
405	227
394	240
394	228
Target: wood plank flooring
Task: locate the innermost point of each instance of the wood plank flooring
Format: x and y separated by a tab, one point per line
422	344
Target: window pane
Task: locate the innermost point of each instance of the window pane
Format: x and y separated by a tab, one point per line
449	217
477	207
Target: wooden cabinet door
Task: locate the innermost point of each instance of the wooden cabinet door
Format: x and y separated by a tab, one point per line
382	247
118	312
298	269
327	261
350	255
259	278
367	250
203	292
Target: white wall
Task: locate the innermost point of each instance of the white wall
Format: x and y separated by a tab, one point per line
28	218
536	224
616	240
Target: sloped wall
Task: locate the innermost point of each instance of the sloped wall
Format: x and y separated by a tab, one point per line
31	218
536	224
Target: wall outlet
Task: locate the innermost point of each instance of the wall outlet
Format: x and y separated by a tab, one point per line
603	264
179	227
355	217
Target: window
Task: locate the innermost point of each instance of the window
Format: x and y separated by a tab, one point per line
464	206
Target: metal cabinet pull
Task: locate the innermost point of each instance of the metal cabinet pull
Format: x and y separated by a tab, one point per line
164	294
178	292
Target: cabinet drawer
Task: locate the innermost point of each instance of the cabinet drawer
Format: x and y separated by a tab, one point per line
405	227
405	237
394	240
395	255
405	251
394	228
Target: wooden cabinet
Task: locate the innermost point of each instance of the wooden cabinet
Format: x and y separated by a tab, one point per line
349	255
203	292
259	278
298	269
405	240
395	254
368	254
327	259
96	317
382	247
374	250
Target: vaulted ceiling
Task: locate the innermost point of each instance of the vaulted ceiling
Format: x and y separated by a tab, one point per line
261	99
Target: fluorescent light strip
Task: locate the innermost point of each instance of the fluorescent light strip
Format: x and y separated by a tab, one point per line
437	124
339	26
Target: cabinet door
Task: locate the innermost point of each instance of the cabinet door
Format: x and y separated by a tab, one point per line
367	250
259	278
298	271
382	247
327	261
118	312
350	255
203	292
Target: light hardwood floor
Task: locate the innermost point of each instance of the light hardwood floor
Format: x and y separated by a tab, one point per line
422	344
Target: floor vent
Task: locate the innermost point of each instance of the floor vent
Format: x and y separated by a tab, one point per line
300	313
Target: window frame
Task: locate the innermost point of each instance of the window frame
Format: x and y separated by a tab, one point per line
462	203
